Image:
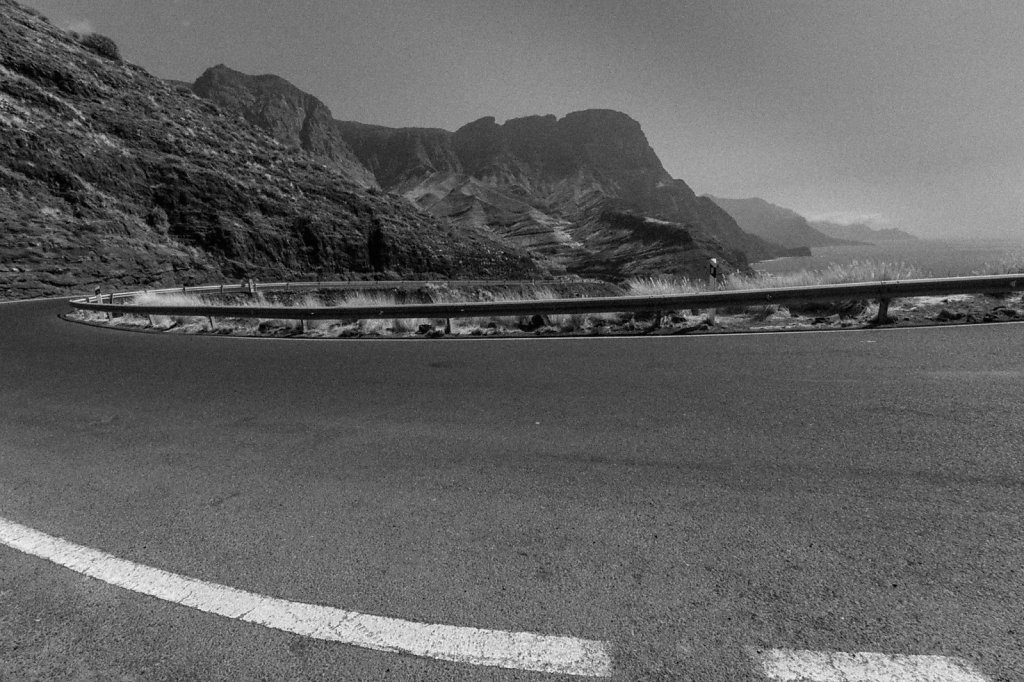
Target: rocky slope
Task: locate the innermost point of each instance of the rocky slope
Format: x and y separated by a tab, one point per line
862	233
776	224
291	116
110	177
584	193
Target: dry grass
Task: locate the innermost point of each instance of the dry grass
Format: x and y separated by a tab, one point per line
857	271
663	286
169	321
1010	264
468	325
380	299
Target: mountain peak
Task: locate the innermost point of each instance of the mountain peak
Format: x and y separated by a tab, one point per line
292	116
482	122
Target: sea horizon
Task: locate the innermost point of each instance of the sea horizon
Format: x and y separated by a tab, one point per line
932	257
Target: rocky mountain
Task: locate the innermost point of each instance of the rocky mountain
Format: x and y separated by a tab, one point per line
398	157
862	232
776	224
291	116
584	194
111	177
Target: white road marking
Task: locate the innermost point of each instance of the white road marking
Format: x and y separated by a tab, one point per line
475	646
793	665
498	648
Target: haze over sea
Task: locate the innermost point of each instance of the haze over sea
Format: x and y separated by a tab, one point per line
929	257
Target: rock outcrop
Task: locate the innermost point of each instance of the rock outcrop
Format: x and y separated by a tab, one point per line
400	156
567	188
111	177
576	192
290	115
776	224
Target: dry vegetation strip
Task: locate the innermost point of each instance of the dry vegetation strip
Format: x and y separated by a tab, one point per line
843	314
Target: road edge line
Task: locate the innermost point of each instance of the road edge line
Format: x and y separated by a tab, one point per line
475	646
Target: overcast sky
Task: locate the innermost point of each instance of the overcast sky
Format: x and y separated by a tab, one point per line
909	111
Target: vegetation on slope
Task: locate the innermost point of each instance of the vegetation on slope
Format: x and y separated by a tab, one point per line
109	176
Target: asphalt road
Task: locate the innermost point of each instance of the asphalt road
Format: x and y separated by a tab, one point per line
682	498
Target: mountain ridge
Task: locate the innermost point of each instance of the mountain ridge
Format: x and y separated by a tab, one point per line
862	232
776	223
547	184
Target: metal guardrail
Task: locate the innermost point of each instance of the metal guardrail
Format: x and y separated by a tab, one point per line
881	291
334	284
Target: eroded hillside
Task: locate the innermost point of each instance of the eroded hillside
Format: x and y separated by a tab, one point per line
111	177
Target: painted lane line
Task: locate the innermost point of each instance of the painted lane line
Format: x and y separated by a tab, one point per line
496	648
794	665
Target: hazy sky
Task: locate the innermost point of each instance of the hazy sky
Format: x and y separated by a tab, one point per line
906	110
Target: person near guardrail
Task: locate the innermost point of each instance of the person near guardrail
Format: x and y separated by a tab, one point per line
715	276
715	273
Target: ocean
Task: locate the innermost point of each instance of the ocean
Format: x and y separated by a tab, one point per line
929	257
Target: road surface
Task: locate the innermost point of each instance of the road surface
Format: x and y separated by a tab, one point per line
694	505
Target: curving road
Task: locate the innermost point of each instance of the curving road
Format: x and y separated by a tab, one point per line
689	501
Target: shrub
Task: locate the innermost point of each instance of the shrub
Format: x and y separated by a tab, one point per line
157	219
36	13
102	45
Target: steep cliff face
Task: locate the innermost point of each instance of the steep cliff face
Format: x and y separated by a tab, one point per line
605	149
397	156
111	177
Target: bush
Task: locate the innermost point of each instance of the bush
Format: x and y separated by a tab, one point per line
102	45
36	13
157	219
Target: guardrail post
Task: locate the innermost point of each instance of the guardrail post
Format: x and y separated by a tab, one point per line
883	312
447	325
303	322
